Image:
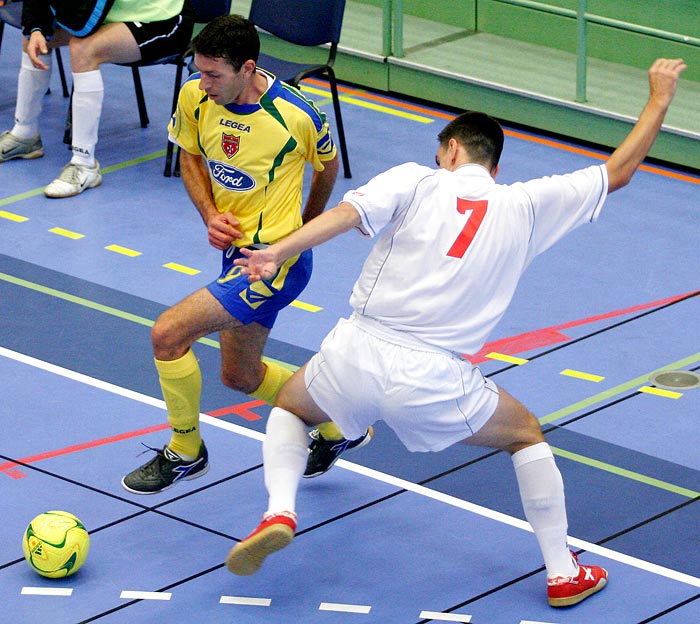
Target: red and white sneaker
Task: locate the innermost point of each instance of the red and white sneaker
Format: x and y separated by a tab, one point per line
274	533
564	591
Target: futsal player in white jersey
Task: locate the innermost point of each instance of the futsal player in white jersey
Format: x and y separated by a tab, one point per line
452	245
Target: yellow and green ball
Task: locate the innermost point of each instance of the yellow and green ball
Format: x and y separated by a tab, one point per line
55	544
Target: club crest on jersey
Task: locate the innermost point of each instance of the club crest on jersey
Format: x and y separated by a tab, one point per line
230	177
230	144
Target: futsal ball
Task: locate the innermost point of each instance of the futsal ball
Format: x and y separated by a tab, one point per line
55	544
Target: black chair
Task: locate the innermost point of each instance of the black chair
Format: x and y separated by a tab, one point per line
304	23
11	14
204	12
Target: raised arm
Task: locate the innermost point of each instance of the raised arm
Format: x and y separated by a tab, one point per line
263	263
663	80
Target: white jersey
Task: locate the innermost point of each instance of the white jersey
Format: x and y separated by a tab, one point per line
454	245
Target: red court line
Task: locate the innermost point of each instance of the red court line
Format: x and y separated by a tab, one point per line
510	346
515	134
242	410
547	336
12	470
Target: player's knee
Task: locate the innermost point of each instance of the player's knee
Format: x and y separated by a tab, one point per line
166	343
245	381
529	432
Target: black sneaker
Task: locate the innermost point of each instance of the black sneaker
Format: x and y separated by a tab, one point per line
164	471
324	453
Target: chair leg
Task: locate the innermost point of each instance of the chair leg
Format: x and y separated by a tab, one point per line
167	172
68	130
339	123
62	73
176	173
171	146
140	100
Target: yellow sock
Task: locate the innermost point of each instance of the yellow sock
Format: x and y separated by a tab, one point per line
329	430
275	376
181	383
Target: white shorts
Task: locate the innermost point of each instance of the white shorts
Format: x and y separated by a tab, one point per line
366	372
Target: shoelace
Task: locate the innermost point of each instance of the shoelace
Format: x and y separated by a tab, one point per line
71	174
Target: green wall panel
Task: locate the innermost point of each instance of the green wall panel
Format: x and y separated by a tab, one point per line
523	24
461	13
547	116
604	42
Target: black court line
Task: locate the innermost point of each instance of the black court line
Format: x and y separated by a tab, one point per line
600	331
661	614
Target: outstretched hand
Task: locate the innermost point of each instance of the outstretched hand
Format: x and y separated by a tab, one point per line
663	79
258	264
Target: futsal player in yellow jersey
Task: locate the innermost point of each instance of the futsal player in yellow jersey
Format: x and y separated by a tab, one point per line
245	138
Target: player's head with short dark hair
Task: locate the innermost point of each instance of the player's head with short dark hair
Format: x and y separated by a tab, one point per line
481	136
230	37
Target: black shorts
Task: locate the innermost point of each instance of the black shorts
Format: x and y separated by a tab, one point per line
158	40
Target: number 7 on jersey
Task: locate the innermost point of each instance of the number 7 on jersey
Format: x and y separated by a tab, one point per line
474	220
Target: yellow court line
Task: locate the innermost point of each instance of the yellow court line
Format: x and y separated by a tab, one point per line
13	217
376	107
560	452
306	306
66	233
123	250
181	268
668	394
502	357
567	372
629	386
132	253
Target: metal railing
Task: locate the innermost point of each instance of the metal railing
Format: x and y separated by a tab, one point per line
393	31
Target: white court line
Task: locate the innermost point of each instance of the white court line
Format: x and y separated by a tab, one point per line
240	600
343	608
367	472
145	595
47	591
445	617
108	387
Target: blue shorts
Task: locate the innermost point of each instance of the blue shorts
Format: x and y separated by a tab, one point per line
260	302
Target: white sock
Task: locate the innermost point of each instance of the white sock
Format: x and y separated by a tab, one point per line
284	455
32	84
88	94
542	495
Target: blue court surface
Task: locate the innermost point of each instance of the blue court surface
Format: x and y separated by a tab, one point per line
386	537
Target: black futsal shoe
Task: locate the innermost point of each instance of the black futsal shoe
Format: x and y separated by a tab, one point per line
165	470
324	453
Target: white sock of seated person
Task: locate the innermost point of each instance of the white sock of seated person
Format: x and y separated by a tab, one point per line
32	84
88	95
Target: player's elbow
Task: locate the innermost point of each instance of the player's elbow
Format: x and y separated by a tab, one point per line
618	177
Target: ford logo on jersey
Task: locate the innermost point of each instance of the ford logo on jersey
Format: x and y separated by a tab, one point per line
230	178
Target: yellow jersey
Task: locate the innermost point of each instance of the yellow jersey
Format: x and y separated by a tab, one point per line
255	153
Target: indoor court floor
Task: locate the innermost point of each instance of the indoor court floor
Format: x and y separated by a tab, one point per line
385	537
